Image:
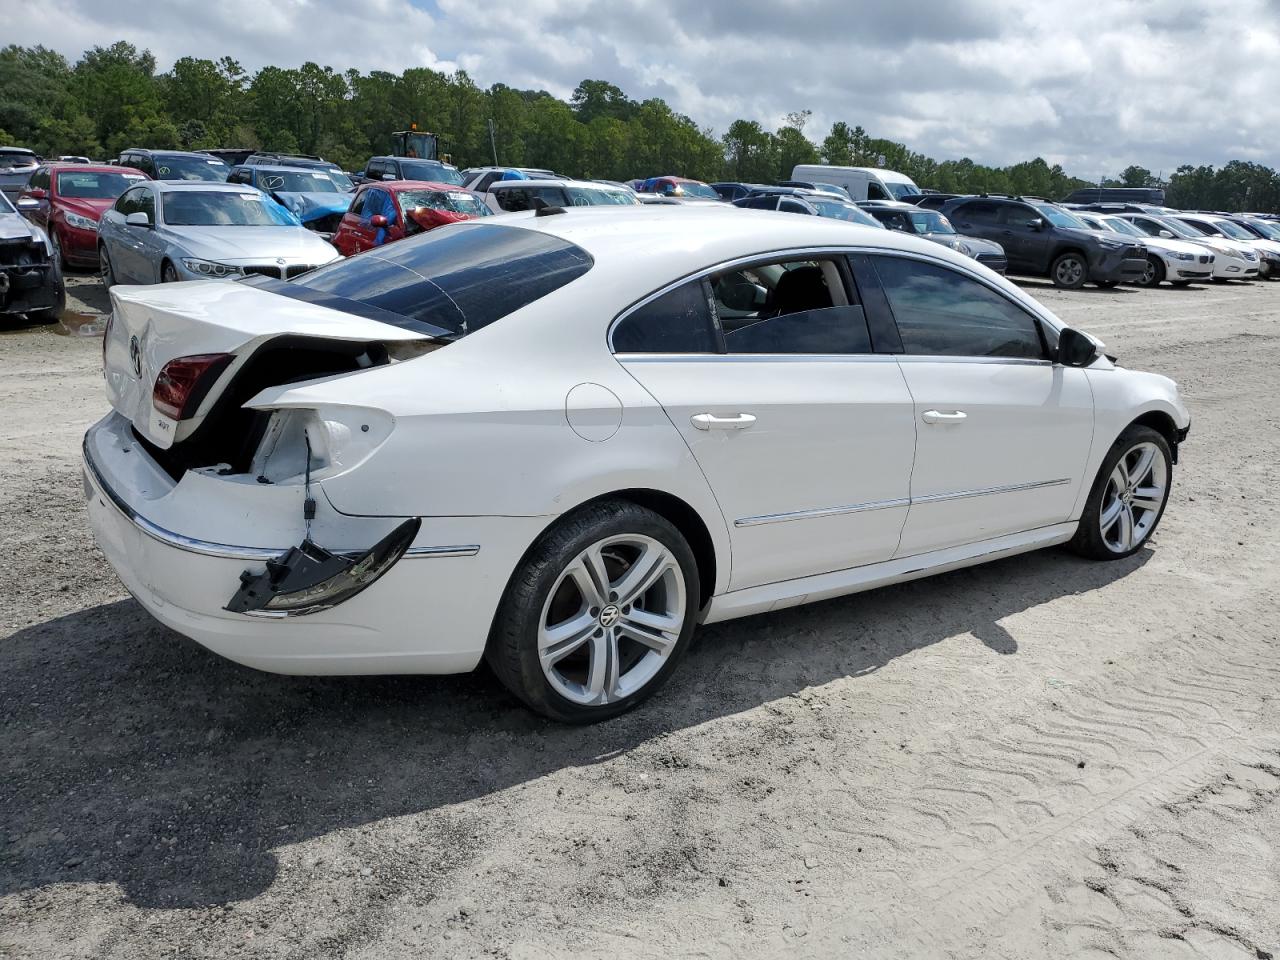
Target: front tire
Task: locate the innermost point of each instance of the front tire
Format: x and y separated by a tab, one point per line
1128	496
598	614
169	273
1069	271
1154	273
105	270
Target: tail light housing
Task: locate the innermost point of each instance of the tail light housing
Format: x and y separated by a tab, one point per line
185	381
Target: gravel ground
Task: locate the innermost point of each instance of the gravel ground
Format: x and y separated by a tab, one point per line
1039	757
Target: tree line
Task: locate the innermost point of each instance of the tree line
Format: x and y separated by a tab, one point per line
113	97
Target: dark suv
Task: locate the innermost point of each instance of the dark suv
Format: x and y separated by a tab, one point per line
1042	239
175	164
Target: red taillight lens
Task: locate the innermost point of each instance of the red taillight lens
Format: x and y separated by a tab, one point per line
184	382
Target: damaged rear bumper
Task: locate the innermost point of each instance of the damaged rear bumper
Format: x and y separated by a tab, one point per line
416	618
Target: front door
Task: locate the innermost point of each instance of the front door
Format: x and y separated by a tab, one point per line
805	435
1003	433
1029	246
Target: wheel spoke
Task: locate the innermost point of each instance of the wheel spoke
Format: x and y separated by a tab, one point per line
1111	515
1147	498
602	679
1146	456
644	573
655	631
1126	528
556	643
584	579
1119	478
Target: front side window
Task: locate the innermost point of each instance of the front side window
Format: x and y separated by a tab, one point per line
787	205
129	201
942	313
796	307
679	321
1057	216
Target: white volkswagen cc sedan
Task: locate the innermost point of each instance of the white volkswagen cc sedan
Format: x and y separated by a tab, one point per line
561	441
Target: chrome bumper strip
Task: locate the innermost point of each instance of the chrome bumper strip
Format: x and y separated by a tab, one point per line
226	551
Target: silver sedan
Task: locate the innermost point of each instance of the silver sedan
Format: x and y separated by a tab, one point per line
162	231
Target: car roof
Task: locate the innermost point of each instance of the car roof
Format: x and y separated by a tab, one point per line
22	150
398	186
270	167
61	165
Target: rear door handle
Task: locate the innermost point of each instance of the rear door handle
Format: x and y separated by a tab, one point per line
708	421
937	416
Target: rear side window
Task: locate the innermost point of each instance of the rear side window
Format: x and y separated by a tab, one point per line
980	211
942	313
448	282
679	321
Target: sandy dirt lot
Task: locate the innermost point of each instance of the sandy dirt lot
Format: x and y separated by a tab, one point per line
1042	757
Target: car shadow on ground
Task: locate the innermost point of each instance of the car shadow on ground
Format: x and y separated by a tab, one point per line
1033	283
133	756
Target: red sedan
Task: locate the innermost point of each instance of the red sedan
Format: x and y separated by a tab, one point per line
392	210
67	200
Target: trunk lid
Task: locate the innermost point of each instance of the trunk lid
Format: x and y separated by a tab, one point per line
152	325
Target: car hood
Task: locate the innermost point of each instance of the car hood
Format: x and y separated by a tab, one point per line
312	206
14	226
979	245
91	208
251	243
1173	246
1105	237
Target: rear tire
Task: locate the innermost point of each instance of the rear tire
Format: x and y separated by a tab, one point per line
1128	496
1069	271
597	615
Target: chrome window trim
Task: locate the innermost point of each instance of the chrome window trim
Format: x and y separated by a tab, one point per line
901	502
771	256
226	551
625	358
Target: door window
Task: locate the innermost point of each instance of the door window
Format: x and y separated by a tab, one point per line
794	307
679	321
940	312
146	203
357	205
128	202
876	192
787	205
979	211
1016	215
761	203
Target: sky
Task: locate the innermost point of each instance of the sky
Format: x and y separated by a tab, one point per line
1093	86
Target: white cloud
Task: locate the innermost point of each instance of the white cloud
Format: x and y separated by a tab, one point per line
1155	82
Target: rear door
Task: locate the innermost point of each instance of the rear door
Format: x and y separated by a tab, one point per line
805	434
1003	433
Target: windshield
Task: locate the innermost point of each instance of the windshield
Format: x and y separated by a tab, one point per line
1180	229
1197	229
298	181
427	170
839	210
223	208
1268	230
456	201
591	196
191	168
900	190
1059	217
929	221
16	161
345	183
1233	230
96	186
692	188
1122	226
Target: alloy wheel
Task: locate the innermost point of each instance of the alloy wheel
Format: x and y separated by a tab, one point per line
612	619
1149	275
1069	272
1133	497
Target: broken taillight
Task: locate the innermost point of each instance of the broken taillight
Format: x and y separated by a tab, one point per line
185	381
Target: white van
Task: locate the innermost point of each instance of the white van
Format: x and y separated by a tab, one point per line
863	183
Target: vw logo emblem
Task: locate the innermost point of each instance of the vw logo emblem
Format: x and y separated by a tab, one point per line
135	356
610	615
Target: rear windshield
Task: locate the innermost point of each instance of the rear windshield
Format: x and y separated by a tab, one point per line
446	283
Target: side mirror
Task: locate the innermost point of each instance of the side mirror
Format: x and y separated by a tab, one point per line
1075	349
1035	223
378	220
27	203
1167	234
36	193
138	219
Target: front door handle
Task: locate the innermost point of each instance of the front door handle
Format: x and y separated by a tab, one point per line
937	416
708	421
